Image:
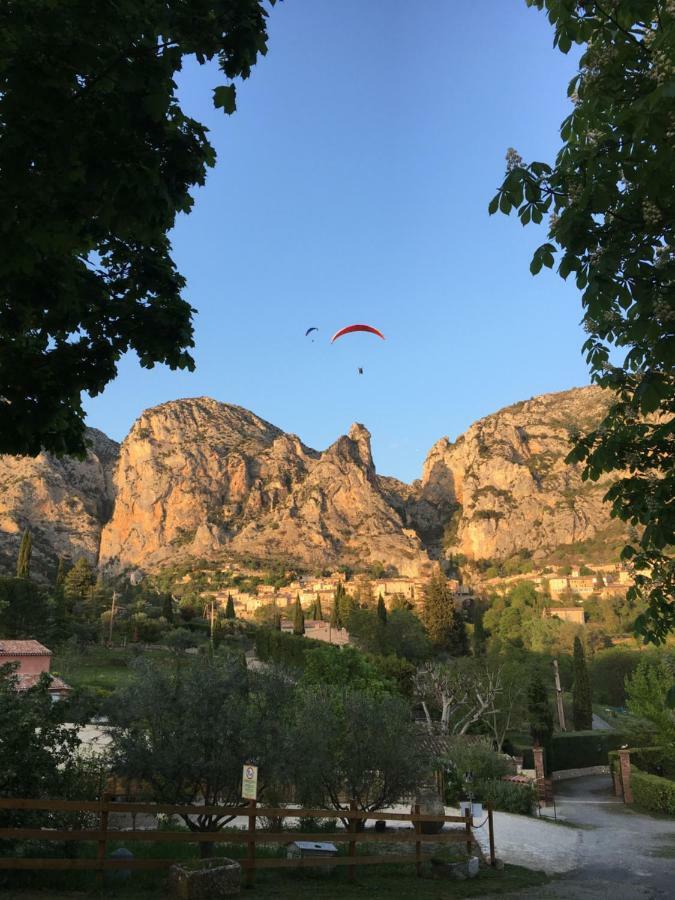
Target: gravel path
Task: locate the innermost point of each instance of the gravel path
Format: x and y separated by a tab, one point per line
614	852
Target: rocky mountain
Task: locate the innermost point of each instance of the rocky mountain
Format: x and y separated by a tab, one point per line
504	486
64	502
201	478
197	477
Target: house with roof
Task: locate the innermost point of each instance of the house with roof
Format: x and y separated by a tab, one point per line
33	659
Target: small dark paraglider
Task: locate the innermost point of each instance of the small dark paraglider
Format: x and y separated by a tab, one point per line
360	370
310	330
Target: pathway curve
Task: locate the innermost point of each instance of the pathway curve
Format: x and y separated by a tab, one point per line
616	852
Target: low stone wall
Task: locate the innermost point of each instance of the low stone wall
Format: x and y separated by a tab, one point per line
564	774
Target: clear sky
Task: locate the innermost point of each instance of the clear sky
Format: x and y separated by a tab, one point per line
352	185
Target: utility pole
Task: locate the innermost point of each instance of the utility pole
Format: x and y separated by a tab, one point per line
112	617
213	604
559	696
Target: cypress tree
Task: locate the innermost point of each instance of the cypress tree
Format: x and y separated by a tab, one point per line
443	623
229	608
582	704
479	637
25	551
277	620
381	610
60	574
298	618
318	612
167	607
539	712
335	613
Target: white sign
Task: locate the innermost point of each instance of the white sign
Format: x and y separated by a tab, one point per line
249	782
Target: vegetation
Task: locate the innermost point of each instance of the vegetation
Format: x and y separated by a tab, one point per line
444	624
539	712
653	793
354	744
25	552
581	690
167	720
101	81
648	692
611	200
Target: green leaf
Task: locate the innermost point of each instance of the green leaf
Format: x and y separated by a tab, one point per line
494	205
535	265
225	97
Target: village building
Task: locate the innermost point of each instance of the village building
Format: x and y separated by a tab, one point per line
33	660
574	614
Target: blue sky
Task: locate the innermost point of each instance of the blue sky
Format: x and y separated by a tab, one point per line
352	185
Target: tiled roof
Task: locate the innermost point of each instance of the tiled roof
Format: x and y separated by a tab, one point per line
28	681
23	648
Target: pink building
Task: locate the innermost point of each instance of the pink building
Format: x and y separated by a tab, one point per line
33	660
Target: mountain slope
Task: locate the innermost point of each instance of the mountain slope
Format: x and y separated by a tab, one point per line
63	501
197	478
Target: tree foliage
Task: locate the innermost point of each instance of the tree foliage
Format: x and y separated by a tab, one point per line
187	732
582	702
298	618
351	745
37	751
24	610
443	623
96	160
610	197
25	552
539	712
647	691
461	692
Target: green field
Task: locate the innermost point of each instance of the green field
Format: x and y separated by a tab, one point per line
100	668
387	883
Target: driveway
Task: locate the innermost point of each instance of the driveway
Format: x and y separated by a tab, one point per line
611	852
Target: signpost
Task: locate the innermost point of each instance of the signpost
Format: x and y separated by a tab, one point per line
249	782
249	791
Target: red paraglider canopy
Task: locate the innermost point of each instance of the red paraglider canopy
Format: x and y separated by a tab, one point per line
350	328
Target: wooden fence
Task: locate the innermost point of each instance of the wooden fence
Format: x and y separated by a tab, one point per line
252	836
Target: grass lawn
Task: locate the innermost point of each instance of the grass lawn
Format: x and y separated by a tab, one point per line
385	882
101	668
374	883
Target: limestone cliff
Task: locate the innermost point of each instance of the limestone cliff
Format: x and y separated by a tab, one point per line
504	486
202	478
197	477
63	501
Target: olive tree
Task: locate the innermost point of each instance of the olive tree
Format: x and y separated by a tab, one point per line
186	731
353	745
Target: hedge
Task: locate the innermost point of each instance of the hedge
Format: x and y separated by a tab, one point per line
653	793
578	749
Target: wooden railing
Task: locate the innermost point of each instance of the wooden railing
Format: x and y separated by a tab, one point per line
252	836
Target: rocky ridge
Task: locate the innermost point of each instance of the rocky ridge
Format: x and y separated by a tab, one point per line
198	478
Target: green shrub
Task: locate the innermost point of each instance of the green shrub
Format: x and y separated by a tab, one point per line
652	760
469	756
578	749
653	793
508	796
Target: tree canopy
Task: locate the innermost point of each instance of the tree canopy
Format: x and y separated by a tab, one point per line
610	199
96	160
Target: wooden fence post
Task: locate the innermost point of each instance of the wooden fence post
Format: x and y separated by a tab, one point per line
418	844
352	844
468	822
103	825
250	855
491	832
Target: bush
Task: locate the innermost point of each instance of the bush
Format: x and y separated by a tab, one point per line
478	758
653	793
508	796
578	749
651	760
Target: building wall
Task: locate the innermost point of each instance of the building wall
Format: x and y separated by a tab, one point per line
28	665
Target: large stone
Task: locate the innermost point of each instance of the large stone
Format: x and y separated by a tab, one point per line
430	804
205	879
